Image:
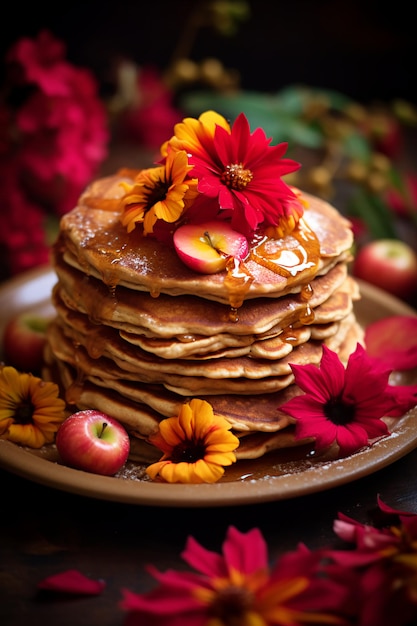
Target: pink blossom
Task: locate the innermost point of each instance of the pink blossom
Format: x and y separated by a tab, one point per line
345	405
51	145
72	582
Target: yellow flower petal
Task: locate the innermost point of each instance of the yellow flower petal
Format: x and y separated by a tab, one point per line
163	192
191	133
200	436
31	410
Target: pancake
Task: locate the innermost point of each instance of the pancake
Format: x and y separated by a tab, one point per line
273	347
187	316
115	260
137	332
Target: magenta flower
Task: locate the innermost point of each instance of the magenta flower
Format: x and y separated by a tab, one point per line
52	142
384	561
244	174
237	587
151	119
345	405
398	533
22	227
393	340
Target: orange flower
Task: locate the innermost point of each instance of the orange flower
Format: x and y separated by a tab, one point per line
195	136
30	408
162	192
196	445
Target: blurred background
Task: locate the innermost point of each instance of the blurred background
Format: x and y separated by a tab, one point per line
104	87
364	48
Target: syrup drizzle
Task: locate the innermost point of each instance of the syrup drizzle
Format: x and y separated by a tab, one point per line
289	335
307	315
295	258
186	338
237	281
298	253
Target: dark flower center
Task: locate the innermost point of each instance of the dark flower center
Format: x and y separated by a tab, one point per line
230	606
339	412
156	193
236	177
188	452
23	412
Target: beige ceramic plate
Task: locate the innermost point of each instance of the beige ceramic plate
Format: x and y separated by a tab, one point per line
267	479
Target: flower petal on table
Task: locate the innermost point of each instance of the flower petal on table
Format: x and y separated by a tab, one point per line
393	340
72	582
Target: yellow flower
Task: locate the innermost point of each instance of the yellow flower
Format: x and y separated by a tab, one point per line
30	408
191	134
162	192
196	445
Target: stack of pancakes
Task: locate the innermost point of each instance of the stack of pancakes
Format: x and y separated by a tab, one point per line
137	333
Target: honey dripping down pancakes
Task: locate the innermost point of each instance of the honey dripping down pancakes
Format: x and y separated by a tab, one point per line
137	332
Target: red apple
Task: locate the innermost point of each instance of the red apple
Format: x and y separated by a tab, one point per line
207	247
390	264
94	442
24	341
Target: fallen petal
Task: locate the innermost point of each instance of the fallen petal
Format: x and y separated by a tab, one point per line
393	340
72	582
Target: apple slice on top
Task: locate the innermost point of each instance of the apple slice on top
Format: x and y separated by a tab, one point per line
207	247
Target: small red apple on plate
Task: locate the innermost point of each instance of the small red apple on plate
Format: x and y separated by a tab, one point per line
24	341
94	442
207	247
390	264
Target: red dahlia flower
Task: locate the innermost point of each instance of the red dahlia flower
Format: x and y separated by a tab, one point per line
239	174
345	406
244	173
238	587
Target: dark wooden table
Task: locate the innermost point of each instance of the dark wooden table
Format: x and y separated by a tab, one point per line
44	531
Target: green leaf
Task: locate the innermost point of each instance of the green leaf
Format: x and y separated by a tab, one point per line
228	105
374	212
397	180
356	147
296	98
305	135
264	111
293	100
51	226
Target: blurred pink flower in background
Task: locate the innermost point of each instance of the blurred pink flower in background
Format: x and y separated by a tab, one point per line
404	201
151	113
53	139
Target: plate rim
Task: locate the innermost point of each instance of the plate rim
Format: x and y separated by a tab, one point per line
31	466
